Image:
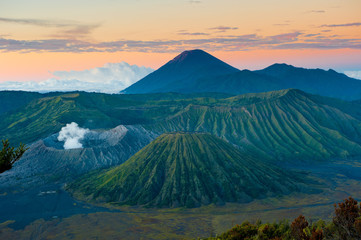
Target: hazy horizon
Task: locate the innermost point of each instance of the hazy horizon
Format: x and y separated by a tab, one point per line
40	38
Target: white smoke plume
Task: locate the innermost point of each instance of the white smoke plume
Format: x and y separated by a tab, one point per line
71	134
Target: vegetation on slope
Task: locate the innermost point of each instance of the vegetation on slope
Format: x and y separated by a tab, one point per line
346	224
9	155
45	116
286	124
12	100
187	169
37	119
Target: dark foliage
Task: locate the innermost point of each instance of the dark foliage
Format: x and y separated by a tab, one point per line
347	219
298	227
9	155
317	234
346	225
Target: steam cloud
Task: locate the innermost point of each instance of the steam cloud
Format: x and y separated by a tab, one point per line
71	134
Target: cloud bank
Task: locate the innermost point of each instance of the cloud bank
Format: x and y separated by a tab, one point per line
223	28
71	135
353	74
355	24
316	11
111	78
288	40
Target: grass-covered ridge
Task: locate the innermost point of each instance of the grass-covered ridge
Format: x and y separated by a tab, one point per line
283	125
187	169
286	124
45	116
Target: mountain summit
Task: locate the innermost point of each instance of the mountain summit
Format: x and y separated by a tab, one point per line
197	71
192	58
187	169
181	72
316	81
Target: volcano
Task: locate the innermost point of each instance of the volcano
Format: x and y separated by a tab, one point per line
181	72
47	161
187	169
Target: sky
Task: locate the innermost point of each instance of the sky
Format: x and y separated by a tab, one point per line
52	44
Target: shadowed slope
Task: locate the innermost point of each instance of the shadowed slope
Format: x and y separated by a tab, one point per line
182	71
317	81
186	169
241	82
12	100
198	71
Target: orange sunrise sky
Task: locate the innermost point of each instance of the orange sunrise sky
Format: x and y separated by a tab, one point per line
38	38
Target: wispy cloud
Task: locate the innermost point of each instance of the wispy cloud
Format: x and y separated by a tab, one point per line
193	33
111	78
316	11
312	35
222	28
355	24
292	36
281	24
67	28
322	43
81	30
290	40
194	1
37	22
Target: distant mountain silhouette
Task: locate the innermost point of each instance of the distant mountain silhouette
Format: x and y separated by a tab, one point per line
326	83
184	70
197	71
240	82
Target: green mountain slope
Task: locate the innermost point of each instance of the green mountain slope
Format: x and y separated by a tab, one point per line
35	120
186	169
287	124
45	116
12	100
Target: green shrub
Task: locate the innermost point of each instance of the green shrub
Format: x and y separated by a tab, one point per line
9	155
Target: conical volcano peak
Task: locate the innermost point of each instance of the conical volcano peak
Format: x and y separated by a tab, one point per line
181	72
186	169
193	54
195	60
